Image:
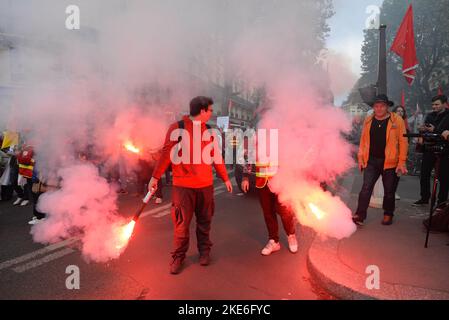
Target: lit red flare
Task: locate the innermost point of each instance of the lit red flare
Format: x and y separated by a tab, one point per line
126	231
319	214
132	148
125	234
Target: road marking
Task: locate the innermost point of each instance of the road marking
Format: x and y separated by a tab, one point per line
39	252
156	212
41	261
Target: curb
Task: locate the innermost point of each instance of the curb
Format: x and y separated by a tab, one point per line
331	274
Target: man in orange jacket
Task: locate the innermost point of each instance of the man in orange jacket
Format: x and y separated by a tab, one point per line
383	151
193	190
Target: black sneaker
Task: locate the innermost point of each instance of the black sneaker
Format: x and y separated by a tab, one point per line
176	265
420	202
204	259
357	220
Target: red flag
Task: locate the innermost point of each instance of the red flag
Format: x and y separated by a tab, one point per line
404	46
403	98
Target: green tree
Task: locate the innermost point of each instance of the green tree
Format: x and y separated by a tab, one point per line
431	25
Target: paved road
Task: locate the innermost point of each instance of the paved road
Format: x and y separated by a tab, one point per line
238	271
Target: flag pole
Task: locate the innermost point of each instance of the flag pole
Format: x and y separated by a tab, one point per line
382	66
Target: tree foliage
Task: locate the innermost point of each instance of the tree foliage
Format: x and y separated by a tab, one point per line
431	23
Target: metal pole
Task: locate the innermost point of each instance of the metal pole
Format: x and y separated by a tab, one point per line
382	67
436	183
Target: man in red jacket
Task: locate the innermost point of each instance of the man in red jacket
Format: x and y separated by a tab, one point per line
193	190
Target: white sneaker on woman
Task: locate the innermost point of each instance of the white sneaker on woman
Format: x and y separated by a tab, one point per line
292	243
17	202
272	246
24	203
34	221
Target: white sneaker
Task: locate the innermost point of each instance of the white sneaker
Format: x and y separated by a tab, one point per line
292	243
271	247
18	201
24	203
158	201
397	197
34	221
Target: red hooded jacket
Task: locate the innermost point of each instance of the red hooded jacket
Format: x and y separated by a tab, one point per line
188	175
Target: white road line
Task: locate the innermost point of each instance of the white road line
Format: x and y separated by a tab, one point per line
39	252
58	245
155	212
41	261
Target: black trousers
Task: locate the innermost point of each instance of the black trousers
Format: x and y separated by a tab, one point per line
25	192
427	165
271	206
37	213
372	172
187	202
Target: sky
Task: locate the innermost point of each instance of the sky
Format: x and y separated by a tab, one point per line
346	36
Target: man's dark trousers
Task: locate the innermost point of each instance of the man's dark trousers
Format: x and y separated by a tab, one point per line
186	202
371	173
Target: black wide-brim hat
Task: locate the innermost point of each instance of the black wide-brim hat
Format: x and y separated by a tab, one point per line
382	98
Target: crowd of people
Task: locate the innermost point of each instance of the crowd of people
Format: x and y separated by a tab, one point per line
19	175
382	152
23	184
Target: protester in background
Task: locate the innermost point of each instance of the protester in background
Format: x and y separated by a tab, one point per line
400	111
442	129
41	185
382	152
431	123
5	179
25	162
21	172
122	175
36	191
146	168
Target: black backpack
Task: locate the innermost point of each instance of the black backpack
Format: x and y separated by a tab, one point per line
181	125
440	218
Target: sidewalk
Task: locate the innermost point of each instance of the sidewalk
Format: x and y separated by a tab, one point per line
407	270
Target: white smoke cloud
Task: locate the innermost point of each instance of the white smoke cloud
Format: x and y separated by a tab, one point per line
311	147
84	206
113	80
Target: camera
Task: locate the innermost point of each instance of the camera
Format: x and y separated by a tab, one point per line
433	142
